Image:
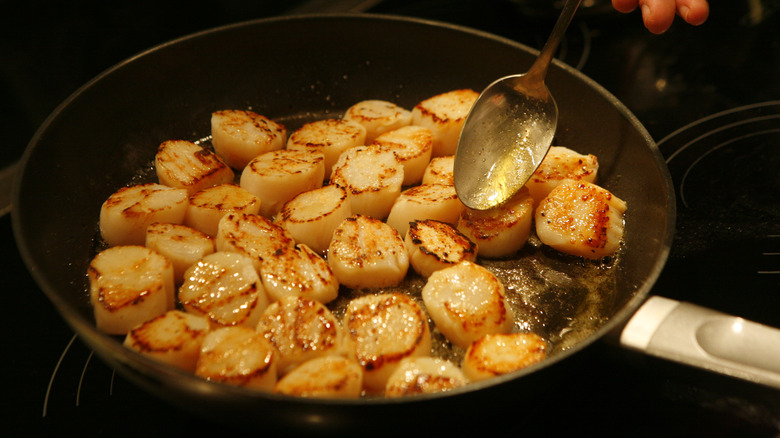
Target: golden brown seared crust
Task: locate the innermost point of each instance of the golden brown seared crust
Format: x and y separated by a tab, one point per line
145	337
299	326
458	99
183	164
587	216
462	247
115	295
502	353
235	119
320	133
241	356
395	311
556	167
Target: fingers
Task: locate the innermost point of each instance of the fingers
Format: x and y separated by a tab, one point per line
658	15
694	12
624	6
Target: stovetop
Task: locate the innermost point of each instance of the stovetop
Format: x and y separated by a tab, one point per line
709	95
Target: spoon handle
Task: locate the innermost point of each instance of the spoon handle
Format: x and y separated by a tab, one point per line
538	70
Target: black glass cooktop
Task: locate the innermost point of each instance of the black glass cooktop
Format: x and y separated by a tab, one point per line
709	95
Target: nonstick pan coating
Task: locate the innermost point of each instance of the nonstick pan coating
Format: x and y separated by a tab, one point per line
299	69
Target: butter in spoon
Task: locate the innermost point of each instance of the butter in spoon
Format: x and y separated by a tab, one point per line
509	130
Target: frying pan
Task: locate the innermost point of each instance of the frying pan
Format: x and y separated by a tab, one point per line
298	69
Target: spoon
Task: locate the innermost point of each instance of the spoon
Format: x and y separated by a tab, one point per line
509	130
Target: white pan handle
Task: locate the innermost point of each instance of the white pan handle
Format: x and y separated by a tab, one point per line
693	335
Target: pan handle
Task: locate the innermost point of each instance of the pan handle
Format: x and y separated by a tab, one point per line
704	338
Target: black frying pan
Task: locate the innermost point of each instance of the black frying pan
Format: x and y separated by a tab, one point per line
299	69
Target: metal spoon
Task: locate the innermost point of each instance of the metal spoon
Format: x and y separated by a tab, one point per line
509	130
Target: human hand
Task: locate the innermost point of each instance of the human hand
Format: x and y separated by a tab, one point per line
658	15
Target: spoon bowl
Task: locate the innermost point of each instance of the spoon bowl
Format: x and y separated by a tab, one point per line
509	130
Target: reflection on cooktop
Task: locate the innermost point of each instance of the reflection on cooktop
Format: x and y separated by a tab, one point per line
727	247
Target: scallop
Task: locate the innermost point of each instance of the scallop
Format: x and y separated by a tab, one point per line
581	219
367	253
424	375
559	164
298	272
500	231
173	338
427	201
125	215
186	165
498	354
276	177
466	302
129	284
412	146
381	330
180	244
225	288
238	136
433	245
378	117
440	170
332	377
207	207
252	235
312	216
444	114
238	356
300	329
330	137
372	177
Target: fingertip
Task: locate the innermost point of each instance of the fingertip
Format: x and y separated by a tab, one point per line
624	6
696	14
657	15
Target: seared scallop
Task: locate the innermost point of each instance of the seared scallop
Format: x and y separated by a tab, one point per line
497	354
125	215
427	201
559	164
185	165
445	114
330	137
252	235
312	216
424	375
412	146
174	338
372	177
238	136
207	207
440	170
323	377
433	245
500	231
381	330
238	356
378	117
466	302
225	288
300	329
276	177
581	219
298	271
367	253
129	284
180	244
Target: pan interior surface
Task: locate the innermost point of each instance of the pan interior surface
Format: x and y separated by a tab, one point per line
296	70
